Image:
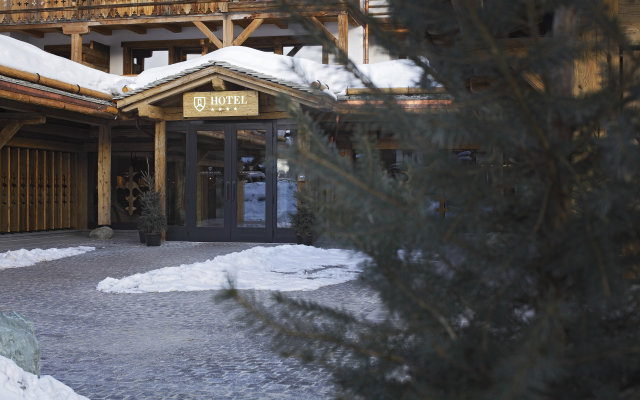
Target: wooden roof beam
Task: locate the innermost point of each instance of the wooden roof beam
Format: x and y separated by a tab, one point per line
255	24
172	27
208	33
33	33
103	30
9	130
316	22
281	24
136	29
295	50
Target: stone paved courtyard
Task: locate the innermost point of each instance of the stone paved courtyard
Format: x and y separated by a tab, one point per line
178	345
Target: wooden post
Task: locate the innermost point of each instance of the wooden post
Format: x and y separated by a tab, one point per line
227	31
75	31
76	48
160	152
343	32
104	175
365	42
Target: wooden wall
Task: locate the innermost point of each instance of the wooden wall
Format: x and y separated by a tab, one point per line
39	190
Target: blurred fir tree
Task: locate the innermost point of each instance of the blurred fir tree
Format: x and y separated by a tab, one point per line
528	287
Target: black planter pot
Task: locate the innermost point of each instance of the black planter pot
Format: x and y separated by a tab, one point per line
153	239
306	239
142	236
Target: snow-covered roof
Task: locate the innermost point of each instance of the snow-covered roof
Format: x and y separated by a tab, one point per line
54	90
224	65
293	72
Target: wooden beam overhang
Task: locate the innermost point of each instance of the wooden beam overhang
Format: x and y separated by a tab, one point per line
9	130
30	95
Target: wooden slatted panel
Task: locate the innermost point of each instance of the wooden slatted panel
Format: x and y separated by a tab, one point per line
51	190
44	192
33	190
23	193
66	188
59	192
4	189
40	190
14	202
73	187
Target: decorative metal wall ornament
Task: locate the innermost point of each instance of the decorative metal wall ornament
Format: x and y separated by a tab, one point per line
131	186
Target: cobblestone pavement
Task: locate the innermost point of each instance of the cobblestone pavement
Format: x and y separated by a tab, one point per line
178	345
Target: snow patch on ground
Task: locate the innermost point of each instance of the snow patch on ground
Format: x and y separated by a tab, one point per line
17	384
284	268
26	258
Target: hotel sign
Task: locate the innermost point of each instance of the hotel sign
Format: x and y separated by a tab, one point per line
220	104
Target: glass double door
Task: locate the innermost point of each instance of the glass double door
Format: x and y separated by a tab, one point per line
230	182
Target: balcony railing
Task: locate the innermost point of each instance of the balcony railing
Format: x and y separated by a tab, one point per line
43	11
14	12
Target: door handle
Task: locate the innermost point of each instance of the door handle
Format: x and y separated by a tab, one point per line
234	191
227	190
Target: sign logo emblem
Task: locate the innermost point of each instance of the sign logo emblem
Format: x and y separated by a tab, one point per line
199	103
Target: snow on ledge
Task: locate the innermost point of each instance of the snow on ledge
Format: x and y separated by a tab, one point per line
26	258
283	268
18	384
23	56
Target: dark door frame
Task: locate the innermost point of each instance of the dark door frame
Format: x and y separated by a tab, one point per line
230	231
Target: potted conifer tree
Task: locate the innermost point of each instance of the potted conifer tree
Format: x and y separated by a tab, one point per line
152	221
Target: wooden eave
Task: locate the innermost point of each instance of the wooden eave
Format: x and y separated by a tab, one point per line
202	77
34	96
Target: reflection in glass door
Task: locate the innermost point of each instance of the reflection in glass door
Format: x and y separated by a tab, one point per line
210	201
251	184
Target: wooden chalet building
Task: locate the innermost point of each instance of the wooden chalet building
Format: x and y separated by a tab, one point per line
70	158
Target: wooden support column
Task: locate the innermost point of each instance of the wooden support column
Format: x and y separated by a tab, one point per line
75	31
160	152
104	175
227	31
343	33
76	48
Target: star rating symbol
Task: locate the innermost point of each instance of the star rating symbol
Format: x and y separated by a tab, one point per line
235	108
219	108
227	108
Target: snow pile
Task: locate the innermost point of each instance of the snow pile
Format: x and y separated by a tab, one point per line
284	268
396	73
29	58
26	57
17	384
25	258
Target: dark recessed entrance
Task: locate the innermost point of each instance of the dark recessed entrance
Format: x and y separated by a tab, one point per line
225	181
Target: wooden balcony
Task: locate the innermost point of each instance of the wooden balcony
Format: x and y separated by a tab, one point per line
39	16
